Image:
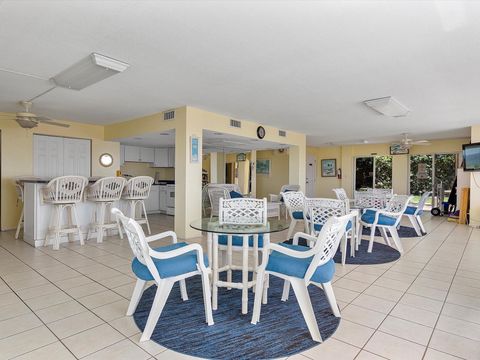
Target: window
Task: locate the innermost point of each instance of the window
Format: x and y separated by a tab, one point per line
373	172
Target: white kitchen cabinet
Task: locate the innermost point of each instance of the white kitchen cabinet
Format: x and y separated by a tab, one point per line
171	157
132	153
57	156
163	199
161	158
152	203
147	155
122	154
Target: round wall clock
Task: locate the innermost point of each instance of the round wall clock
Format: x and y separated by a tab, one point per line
260	132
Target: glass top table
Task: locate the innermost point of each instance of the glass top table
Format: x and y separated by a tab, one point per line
212	225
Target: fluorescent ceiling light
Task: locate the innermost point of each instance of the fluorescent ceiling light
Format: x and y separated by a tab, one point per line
388	106
88	71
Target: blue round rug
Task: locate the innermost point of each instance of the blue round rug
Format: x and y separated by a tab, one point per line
381	253
281	331
403	231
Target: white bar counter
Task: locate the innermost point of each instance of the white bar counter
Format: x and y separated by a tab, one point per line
38	213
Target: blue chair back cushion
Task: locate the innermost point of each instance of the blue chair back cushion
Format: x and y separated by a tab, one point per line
238	240
235	195
369	217
175	266
297	215
291	266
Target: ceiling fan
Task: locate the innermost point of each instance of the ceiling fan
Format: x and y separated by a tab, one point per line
406	141
29	120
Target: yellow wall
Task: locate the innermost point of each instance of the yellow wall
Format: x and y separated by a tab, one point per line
345	156
475	185
17	157
279	173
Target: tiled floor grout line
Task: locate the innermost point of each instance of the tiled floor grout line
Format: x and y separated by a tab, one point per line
448	291
405	292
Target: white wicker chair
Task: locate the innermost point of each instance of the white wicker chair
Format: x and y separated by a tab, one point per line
160	265
318	212
387	219
366	199
136	190
302	266
20	201
295	203
64	193
274	198
245	211
104	193
413	213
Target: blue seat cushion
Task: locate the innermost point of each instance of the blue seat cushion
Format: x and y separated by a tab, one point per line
318	227
297	215
235	195
369	217
410	210
177	265
237	240
291	266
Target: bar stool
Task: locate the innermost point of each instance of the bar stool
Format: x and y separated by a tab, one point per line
20	201
64	193
104	193
135	192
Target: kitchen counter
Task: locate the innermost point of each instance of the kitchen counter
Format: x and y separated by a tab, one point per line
45	180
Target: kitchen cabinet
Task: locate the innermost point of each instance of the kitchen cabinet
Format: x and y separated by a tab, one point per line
139	154
152	203
171	157
163	199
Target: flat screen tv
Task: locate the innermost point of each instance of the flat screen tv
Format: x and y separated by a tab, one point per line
471	157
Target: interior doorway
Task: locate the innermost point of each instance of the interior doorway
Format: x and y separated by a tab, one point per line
230	173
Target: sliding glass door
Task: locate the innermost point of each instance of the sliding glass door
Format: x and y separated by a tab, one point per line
373	172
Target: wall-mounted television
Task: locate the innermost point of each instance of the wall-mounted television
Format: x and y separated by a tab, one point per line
471	157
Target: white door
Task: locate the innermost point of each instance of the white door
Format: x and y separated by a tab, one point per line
47	156
310	176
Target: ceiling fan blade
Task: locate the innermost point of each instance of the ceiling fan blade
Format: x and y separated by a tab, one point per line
421	143
53	123
43	118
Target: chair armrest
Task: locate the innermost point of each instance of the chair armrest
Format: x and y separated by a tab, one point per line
180	251
391	214
274	197
162	235
306	236
291	252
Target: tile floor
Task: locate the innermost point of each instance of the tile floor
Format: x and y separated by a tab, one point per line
71	303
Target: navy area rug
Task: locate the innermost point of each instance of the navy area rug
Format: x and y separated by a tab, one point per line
280	332
381	253
403	231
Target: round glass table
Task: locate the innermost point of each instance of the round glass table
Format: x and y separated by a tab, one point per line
248	236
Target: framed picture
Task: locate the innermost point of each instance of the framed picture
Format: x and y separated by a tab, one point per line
194	141
329	167
263	167
398	149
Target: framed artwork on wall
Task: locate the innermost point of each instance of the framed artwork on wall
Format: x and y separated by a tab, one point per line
194	149
263	167
398	149
329	167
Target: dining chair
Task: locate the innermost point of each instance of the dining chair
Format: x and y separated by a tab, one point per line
135	192
367	199
216	193
413	213
295	204
301	266
277	198
238	212
20	201
319	210
64	193
104	193
165	265
386	219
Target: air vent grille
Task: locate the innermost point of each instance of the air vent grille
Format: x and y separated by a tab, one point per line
235	123
169	115
282	133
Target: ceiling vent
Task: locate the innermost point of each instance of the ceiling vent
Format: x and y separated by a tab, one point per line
388	106
282	133
235	123
169	115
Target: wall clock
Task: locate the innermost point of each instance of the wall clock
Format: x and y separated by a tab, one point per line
260	132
